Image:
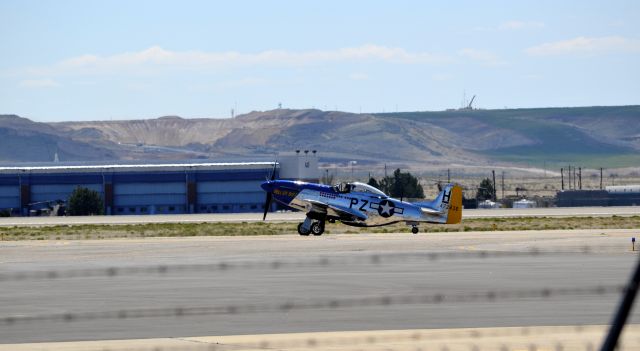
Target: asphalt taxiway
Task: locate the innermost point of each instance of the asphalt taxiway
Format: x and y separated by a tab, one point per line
581	258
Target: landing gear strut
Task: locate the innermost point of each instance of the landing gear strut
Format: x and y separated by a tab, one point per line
316	228
302	231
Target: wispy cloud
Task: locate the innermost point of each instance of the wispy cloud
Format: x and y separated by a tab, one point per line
584	45
482	56
159	58
512	25
39	83
519	25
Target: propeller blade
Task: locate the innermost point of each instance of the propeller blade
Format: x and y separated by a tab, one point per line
267	204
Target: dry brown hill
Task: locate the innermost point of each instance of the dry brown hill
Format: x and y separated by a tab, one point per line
338	135
24	140
604	134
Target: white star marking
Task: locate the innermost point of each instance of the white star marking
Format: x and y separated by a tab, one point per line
386	209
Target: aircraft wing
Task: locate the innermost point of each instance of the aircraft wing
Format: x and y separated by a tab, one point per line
338	209
317	206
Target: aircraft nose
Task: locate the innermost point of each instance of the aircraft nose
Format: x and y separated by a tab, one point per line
267	186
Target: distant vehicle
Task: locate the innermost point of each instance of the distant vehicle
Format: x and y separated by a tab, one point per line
359	205
488	204
524	203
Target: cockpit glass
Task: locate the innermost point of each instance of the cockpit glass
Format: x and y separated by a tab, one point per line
343	188
366	188
357	187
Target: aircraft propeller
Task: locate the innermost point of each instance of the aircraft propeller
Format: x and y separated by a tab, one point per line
267	201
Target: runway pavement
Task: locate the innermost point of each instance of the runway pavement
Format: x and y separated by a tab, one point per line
459	339
344	270
298	216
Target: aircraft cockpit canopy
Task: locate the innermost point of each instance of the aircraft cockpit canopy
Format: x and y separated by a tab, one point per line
342	188
357	187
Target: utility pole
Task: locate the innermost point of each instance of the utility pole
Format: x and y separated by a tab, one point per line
600	178
562	179
448	175
493	172
503	185
580	178
385	170
574	179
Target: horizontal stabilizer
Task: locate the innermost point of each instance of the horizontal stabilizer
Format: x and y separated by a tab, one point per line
431	211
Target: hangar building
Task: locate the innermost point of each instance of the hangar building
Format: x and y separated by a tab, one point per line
152	188
615	195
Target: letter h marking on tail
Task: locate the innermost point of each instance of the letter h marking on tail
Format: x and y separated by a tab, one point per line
446	196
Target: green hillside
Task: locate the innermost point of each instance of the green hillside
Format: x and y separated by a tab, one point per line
591	136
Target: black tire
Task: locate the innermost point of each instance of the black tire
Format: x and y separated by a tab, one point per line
317	228
300	230
414	230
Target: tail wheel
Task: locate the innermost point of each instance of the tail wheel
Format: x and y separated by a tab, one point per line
302	231
414	230
317	228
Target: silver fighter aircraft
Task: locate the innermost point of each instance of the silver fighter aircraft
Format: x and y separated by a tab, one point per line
359	205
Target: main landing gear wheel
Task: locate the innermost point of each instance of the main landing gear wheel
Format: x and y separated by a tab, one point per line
414	230
317	228
301	231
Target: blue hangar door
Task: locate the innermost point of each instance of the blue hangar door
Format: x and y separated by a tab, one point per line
42	195
9	197
230	196
149	198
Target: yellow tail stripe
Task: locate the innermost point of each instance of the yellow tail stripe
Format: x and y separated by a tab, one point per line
455	206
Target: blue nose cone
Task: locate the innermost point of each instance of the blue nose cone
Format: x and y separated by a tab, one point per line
268	186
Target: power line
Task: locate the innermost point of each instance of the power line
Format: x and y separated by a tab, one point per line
325	304
112	272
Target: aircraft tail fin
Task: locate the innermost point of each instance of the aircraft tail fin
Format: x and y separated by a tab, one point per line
454	214
447	206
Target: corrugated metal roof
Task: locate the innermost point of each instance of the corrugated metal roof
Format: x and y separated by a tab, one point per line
135	167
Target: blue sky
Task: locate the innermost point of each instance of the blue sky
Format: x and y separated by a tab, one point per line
97	60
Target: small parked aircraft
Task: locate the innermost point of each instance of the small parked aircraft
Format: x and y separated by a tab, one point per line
359	205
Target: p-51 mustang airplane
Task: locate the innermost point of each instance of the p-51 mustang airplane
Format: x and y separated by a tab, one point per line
359	205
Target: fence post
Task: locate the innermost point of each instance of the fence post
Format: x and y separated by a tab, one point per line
623	311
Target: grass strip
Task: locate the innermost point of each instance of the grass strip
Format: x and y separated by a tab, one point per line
103	231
